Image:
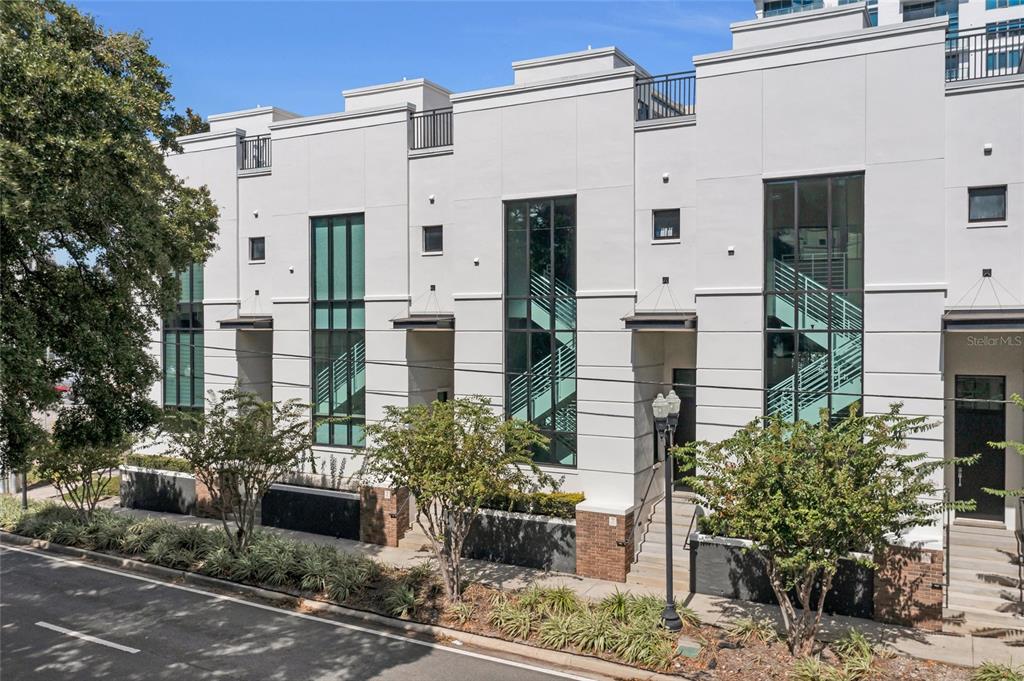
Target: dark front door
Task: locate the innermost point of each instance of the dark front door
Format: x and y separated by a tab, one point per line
684	383
980	418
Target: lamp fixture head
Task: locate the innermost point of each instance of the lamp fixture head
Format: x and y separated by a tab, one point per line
673	403
660	407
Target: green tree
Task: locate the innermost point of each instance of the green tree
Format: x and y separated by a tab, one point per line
190	123
1009	444
238	448
93	226
452	456
808	495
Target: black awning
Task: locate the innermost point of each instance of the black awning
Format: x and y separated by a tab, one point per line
248	321
998	319
442	321
661	321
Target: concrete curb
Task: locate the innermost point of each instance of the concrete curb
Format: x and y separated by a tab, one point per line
437	633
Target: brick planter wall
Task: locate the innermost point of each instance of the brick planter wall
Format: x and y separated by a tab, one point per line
604	546
383	515
905	590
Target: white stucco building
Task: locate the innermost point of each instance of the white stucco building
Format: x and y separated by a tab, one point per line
829	213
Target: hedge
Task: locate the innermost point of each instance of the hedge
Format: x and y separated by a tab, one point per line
158	462
554	504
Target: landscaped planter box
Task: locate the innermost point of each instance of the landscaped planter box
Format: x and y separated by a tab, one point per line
150	489
534	541
721	567
308	509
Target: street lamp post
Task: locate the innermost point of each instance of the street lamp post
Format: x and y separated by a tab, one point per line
666	418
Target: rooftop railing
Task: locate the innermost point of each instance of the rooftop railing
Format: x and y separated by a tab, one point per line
255	153
666	96
994	50
431	128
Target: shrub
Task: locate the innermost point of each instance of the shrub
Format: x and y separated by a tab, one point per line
554	504
592	631
80	473
400	600
68	532
141	536
560	601
750	629
462	611
316	564
106	532
556	631
640	642
158	462
991	671
513	619
615	605
218	563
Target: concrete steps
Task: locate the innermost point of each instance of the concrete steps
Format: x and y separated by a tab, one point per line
983	596
648	570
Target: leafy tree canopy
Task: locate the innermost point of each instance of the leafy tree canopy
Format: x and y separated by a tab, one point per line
807	495
94	226
453	456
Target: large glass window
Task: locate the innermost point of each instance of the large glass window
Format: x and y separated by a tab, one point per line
540	321
183	344
814	293
339	323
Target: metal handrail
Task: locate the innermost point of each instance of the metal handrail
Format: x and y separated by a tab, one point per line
655	467
431	128
666	96
985	52
255	152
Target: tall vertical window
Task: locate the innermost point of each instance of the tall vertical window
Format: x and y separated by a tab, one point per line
339	321
540	321
183	344
814	295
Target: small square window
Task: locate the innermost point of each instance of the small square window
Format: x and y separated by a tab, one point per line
986	203
433	239
257	248
666	224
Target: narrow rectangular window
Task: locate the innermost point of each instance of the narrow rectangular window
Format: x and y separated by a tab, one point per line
666	224
257	248
540	321
338	319
433	239
814	302
183	345
986	203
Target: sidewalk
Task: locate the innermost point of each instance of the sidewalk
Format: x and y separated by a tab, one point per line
959	649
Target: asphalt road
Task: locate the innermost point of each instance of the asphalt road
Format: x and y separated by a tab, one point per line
63	619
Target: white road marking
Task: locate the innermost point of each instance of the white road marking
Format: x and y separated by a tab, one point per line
300	615
87	637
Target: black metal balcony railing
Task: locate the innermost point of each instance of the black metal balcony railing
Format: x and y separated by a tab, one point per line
667	96
995	50
255	152
432	128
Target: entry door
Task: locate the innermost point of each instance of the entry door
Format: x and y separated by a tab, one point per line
978	422
683	382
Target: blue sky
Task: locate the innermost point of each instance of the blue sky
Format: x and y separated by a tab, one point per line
224	56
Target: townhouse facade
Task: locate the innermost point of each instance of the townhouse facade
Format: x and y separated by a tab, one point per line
828	215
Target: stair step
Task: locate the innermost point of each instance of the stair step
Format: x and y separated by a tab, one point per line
650	567
1007	603
969	581
1003	541
983	619
960	527
996	565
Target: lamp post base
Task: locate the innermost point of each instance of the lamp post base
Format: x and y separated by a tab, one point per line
670	618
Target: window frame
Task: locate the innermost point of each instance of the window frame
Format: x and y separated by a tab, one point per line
678	229
552	331
190	334
797	332
423	241
349	334
970	195
252	242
